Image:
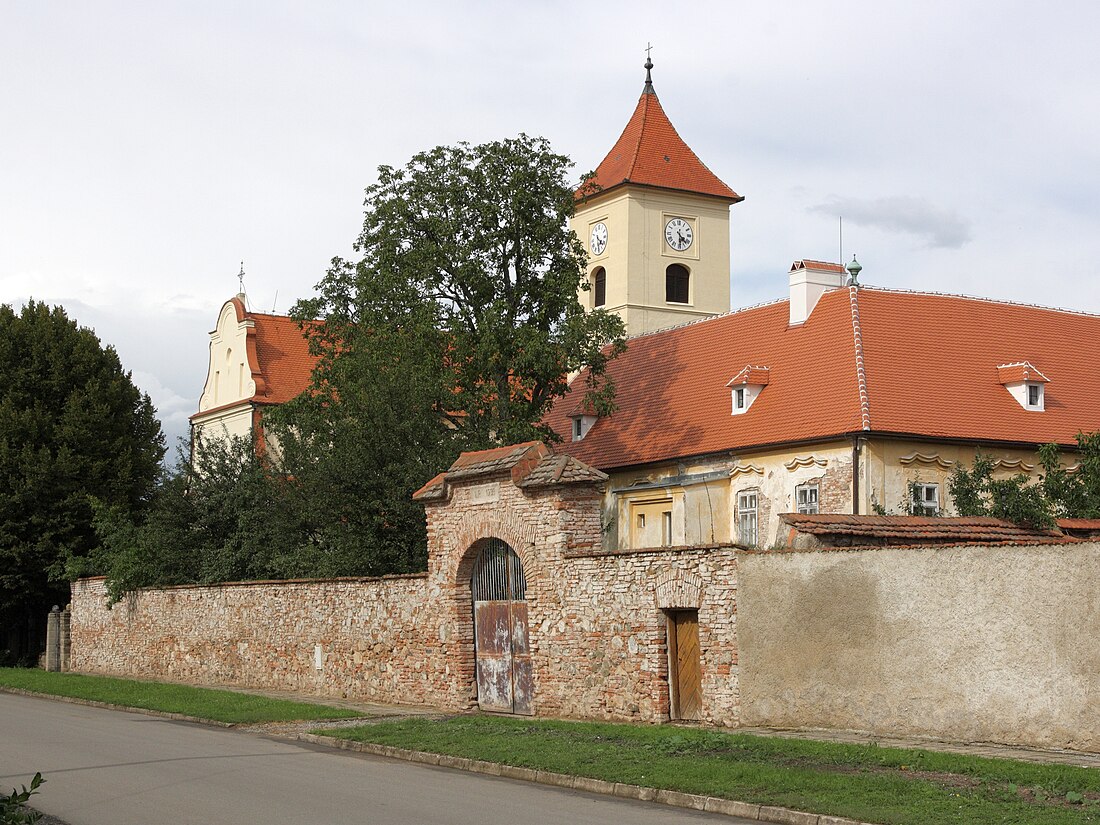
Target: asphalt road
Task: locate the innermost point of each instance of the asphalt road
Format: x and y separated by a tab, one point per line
105	767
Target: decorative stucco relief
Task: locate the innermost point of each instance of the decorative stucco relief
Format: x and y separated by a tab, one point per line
806	461
932	459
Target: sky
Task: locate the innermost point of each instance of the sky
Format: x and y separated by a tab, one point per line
148	148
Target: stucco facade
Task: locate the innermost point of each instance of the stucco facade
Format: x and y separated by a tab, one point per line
962	643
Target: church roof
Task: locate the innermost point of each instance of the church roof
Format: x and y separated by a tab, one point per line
284	358
929	369
651	153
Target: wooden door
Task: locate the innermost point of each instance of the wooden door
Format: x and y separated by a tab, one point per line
503	656
684	670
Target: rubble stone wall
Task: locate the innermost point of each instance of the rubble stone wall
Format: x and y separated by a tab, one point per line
368	639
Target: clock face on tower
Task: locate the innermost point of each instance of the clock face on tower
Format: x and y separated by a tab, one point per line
598	240
678	234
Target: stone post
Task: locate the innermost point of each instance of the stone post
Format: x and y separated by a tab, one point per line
64	638
53	639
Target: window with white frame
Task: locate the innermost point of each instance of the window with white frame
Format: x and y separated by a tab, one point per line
747	517
739	398
924	499
1034	395
805	498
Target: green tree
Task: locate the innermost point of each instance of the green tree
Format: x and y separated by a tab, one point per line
471	245
1076	495
1037	504
72	427
1017	499
223	516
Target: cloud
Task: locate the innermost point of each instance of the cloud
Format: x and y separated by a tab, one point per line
914	216
172	408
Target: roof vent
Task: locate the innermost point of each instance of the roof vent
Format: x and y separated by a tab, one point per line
809	281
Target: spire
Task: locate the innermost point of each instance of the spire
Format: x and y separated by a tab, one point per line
648	90
649	152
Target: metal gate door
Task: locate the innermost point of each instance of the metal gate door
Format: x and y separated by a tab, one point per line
500	630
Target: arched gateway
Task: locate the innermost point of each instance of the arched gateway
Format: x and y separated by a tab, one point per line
503	654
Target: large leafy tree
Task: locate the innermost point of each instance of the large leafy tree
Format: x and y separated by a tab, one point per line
468	249
73	427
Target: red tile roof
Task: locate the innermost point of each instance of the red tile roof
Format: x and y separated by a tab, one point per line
927	362
284	360
651	153
919	529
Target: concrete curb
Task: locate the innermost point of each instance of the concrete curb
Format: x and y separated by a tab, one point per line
695	802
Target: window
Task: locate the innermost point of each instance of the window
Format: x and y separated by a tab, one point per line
1034	395
746	517
577	429
599	280
925	499
677	278
739	398
666	528
805	496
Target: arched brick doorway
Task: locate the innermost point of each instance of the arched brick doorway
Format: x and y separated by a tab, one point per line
502	652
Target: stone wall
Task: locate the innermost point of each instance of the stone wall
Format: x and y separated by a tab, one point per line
962	643
370	639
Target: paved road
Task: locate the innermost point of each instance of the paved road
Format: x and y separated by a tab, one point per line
107	767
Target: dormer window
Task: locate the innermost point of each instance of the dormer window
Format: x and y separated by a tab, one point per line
1024	383
746	386
581	425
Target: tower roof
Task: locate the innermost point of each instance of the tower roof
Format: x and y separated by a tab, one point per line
651	153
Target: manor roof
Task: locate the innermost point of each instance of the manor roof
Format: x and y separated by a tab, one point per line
866	360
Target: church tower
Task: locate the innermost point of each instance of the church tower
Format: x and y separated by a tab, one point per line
655	223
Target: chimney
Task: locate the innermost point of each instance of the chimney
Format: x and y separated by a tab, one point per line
809	281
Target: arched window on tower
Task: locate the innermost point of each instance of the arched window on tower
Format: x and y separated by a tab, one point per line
599	284
677	279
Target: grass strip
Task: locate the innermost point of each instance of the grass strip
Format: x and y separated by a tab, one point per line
868	783
201	703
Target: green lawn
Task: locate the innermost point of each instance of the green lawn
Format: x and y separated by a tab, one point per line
864	782
202	703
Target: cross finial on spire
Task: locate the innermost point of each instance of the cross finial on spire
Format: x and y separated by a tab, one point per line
240	279
648	90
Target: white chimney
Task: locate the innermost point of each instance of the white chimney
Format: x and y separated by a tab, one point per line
809	281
